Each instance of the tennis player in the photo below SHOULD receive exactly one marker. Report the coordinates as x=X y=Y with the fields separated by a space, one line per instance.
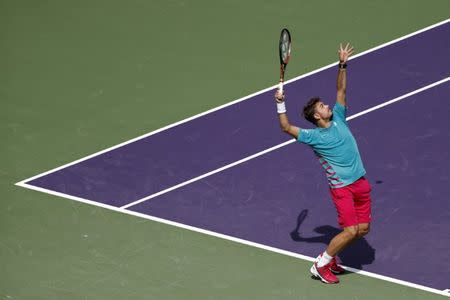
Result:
x=338 y=154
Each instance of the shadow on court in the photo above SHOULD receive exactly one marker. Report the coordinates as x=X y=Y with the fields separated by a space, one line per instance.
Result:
x=356 y=255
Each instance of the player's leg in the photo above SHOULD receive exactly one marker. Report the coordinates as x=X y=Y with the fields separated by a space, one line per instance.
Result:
x=342 y=240
x=343 y=200
x=326 y=264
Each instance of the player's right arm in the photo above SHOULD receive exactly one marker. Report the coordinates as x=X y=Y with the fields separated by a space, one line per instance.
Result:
x=283 y=118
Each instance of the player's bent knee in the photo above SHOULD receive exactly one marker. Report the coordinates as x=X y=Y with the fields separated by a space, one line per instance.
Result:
x=363 y=229
x=352 y=231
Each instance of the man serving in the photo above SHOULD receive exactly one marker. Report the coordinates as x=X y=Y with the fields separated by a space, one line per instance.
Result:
x=338 y=154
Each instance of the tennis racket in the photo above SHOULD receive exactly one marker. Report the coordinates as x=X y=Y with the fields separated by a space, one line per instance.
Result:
x=285 y=54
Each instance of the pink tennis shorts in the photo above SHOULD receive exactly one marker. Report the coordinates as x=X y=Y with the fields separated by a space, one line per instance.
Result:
x=353 y=203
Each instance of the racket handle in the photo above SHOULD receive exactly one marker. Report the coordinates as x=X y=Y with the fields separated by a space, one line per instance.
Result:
x=280 y=86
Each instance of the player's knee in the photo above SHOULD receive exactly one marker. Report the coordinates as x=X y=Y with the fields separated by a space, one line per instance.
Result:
x=352 y=231
x=363 y=229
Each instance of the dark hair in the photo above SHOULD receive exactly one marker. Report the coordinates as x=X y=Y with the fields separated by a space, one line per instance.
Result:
x=310 y=109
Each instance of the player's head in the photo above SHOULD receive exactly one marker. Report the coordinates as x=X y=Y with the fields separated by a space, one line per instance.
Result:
x=316 y=110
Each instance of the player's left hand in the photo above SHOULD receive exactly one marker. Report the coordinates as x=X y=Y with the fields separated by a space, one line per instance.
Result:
x=344 y=53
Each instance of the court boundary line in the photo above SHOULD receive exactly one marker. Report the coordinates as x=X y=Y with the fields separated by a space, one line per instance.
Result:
x=243 y=160
x=230 y=238
x=333 y=64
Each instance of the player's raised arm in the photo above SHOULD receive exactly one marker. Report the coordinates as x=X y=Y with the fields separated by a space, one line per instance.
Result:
x=344 y=54
x=284 y=122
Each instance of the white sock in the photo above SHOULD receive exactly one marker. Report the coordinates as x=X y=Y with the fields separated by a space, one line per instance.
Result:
x=324 y=259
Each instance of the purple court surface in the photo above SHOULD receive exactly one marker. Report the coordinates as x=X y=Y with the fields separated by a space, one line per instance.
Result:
x=281 y=199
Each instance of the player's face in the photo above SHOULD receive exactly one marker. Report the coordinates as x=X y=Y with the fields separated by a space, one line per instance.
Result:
x=323 y=110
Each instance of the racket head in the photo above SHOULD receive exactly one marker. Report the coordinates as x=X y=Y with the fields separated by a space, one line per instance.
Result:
x=284 y=47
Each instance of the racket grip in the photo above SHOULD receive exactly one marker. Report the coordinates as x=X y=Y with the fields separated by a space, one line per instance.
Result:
x=280 y=86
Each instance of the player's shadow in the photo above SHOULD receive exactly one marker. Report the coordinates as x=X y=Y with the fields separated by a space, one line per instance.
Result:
x=356 y=255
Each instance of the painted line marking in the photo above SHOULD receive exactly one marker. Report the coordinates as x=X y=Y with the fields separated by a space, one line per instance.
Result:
x=279 y=145
x=231 y=238
x=333 y=64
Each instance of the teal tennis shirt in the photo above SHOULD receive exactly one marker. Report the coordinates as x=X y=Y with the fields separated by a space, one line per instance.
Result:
x=336 y=149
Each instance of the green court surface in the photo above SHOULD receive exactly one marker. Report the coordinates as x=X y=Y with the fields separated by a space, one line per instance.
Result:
x=77 y=77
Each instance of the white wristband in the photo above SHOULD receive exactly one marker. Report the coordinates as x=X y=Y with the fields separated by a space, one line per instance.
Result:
x=281 y=107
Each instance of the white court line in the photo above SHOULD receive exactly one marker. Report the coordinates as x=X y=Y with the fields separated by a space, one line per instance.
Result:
x=233 y=102
x=231 y=238
x=279 y=146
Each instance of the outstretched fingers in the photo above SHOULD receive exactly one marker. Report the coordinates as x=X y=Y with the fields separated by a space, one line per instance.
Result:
x=345 y=52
